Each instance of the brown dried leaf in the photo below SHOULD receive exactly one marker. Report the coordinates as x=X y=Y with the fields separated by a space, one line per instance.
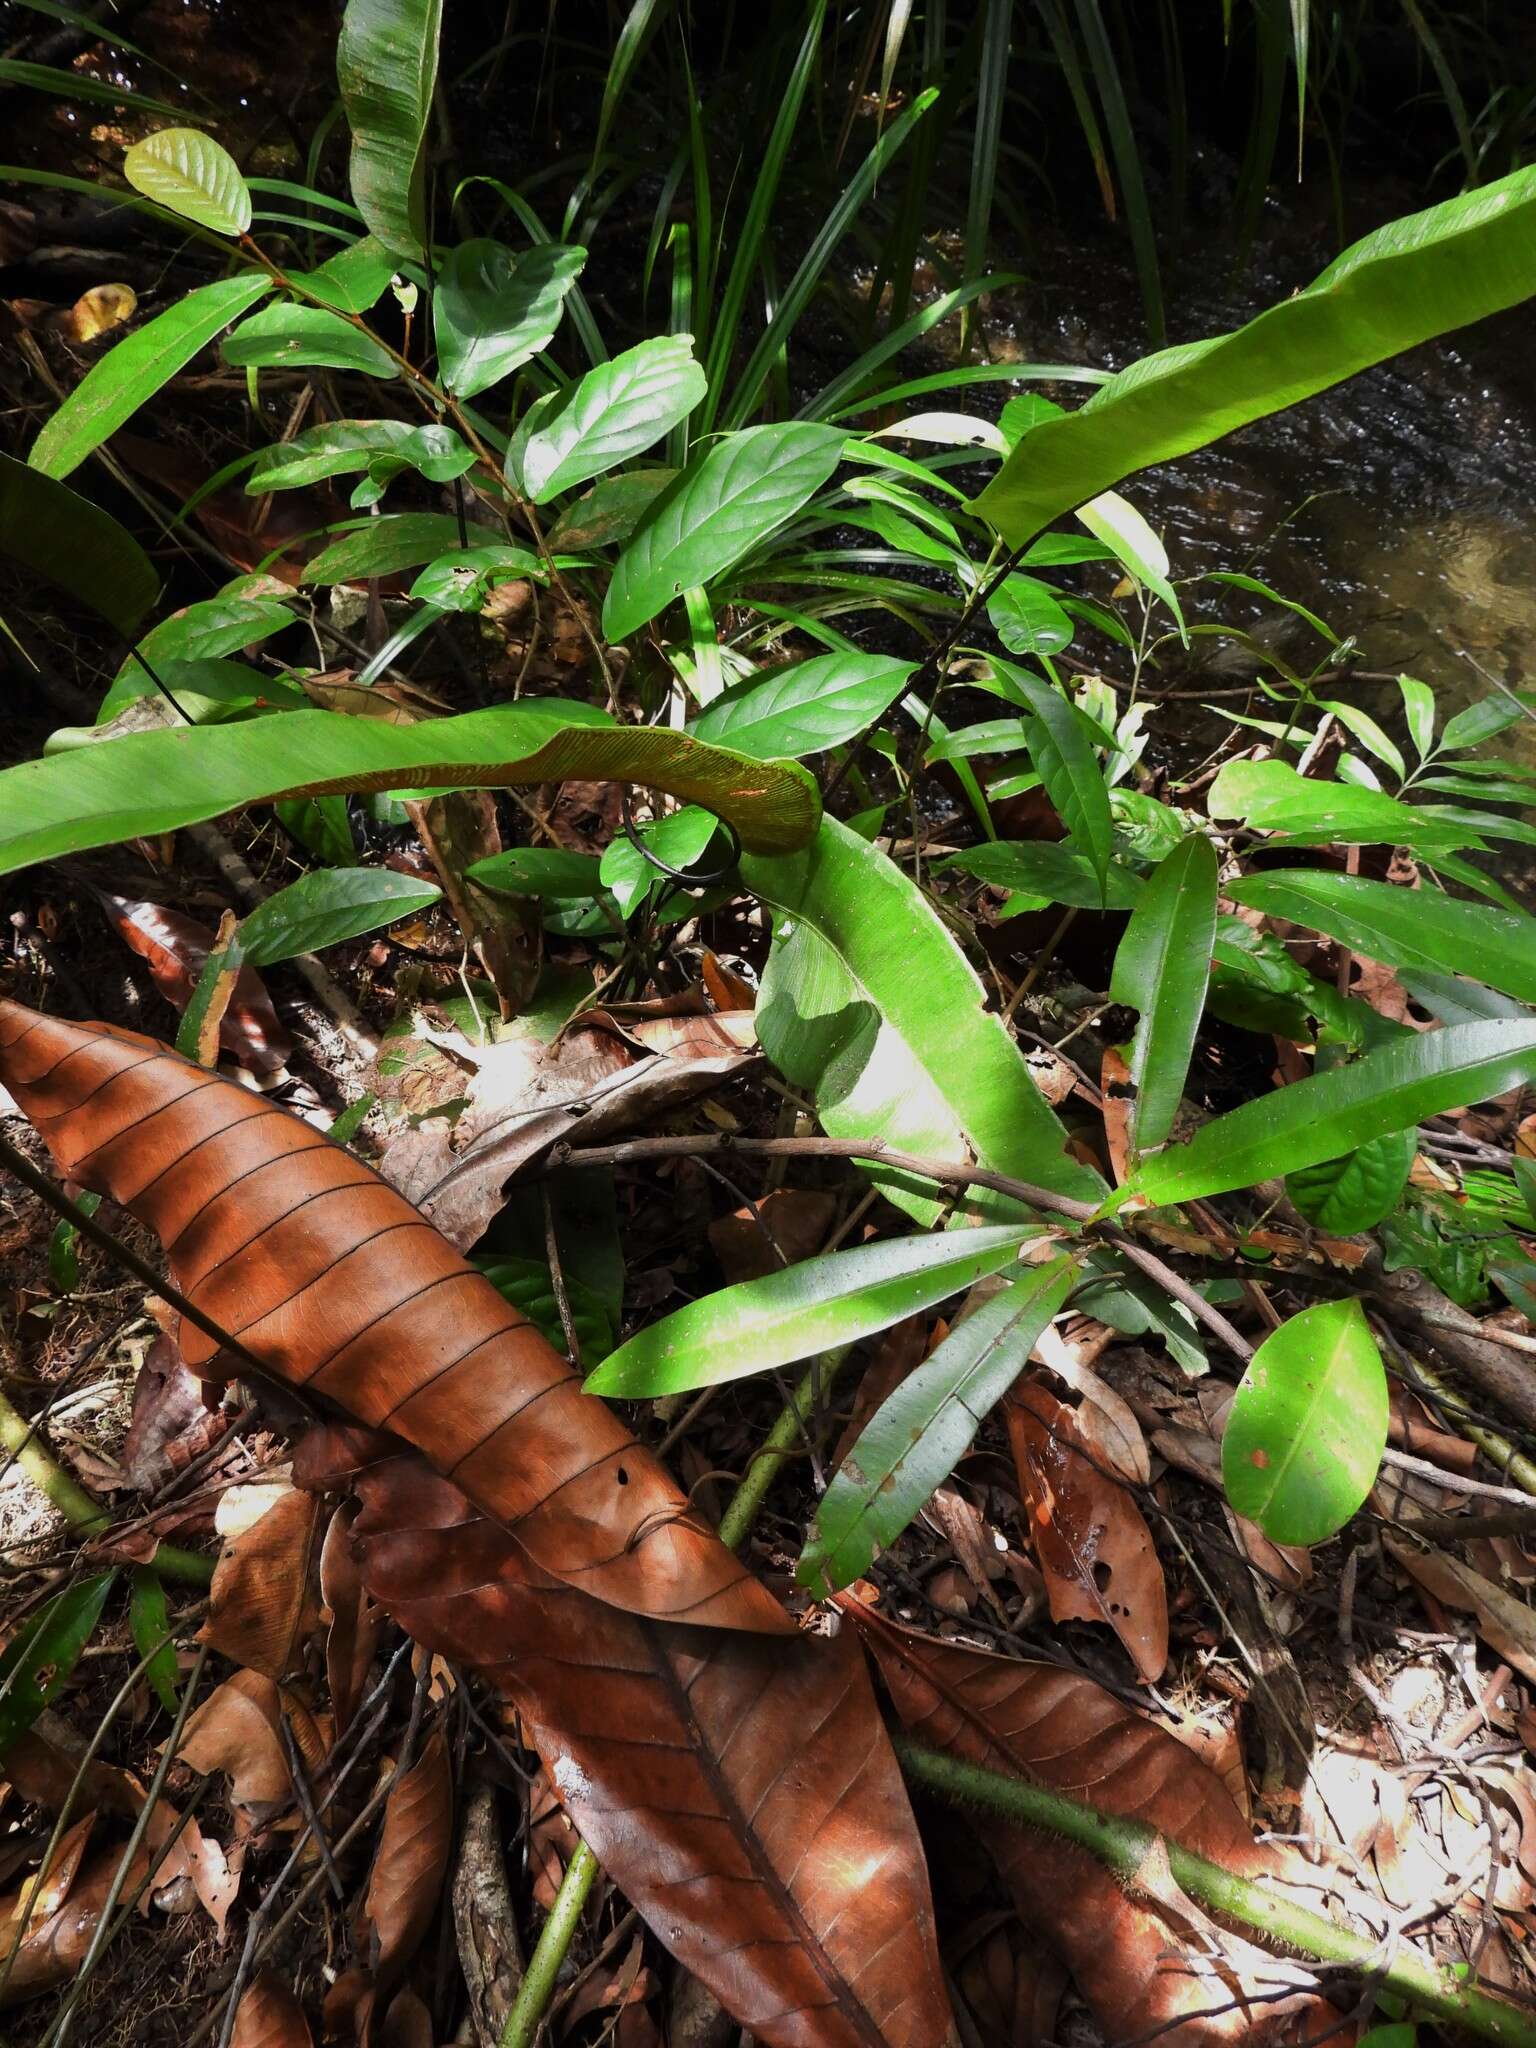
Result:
x=790 y=1224
x=412 y=1858
x=1094 y=1547
x=352 y=1620
x=270 y=2017
x=176 y=949
x=338 y=1286
x=171 y=1423
x=46 y=1890
x=237 y=1730
x=740 y=1790
x=262 y=1607
x=1058 y=1729
x=1504 y=1620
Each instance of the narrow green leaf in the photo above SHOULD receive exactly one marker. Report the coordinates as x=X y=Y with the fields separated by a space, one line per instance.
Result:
x=156 y=781
x=1343 y=1196
x=51 y=531
x=1392 y=1088
x=128 y=375
x=1411 y=928
x=1056 y=874
x=149 y=1619
x=494 y=310
x=19 y=75
x=920 y=1433
x=619 y=409
x=328 y=906
x=807 y=707
x=1272 y=797
x=386 y=66
x=813 y=1306
x=868 y=1002
x=194 y=176
x=1162 y=969
x=285 y=336
x=397 y=540
x=343 y=447
x=38 y=1660
x=728 y=498
x=1063 y=745
x=1404 y=284
x=1307 y=1425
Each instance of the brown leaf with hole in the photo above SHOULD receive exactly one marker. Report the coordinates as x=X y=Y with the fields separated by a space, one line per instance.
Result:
x=343 y=1290
x=176 y=948
x=412 y=1859
x=1058 y=1729
x=270 y=2017
x=1094 y=1547
x=262 y=1606
x=740 y=1790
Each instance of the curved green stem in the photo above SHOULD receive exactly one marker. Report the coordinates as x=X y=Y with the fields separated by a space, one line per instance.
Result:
x=538 y=1985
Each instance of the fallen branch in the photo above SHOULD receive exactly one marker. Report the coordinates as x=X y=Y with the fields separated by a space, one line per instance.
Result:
x=1124 y=1847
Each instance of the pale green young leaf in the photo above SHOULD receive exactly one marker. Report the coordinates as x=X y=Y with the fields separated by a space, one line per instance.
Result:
x=192 y=175
x=1162 y=968
x=619 y=409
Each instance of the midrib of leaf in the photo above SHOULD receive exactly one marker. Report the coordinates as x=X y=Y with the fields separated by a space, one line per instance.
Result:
x=1302 y=1434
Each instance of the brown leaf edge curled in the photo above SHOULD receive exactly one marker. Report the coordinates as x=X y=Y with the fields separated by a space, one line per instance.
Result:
x=344 y=1291
x=740 y=1791
x=1056 y=1728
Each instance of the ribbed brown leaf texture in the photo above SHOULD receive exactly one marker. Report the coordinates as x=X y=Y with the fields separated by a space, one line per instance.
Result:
x=342 y=1289
x=1134 y=1966
x=270 y=2017
x=741 y=1792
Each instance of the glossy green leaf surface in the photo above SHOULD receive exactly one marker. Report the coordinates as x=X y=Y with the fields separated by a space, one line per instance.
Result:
x=1063 y=744
x=1391 y=1089
x=397 y=540
x=386 y=65
x=1272 y=797
x=805 y=1308
x=1409 y=281
x=868 y=1002
x=461 y=581
x=1027 y=618
x=494 y=309
x=609 y=513
x=1411 y=928
x=806 y=707
x=344 y=447
x=303 y=337
x=113 y=389
x=1307 y=1425
x=156 y=781
x=149 y=1622
x=332 y=904
x=201 y=632
x=354 y=279
x=619 y=409
x=719 y=507
x=52 y=532
x=40 y=1657
x=539 y=871
x=1054 y=873
x=1162 y=968
x=193 y=175
x=1342 y=1196
x=920 y=1433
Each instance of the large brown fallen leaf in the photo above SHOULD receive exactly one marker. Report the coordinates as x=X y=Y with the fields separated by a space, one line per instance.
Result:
x=238 y=1730
x=741 y=1791
x=261 y=1605
x=270 y=2017
x=175 y=948
x=341 y=1289
x=1094 y=1547
x=1058 y=1729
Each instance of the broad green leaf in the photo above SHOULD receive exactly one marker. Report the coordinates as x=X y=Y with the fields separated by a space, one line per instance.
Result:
x=461 y=581
x=1063 y=745
x=1412 y=928
x=328 y=906
x=1027 y=618
x=1122 y=529
x=728 y=498
x=201 y=632
x=156 y=781
x=1402 y=285
x=920 y=1433
x=1481 y=721
x=813 y=1306
x=193 y=175
x=51 y=531
x=1394 y=1087
x=1056 y=874
x=1343 y=1196
x=149 y=1620
x=538 y=871
x=807 y=707
x=494 y=310
x=609 y=513
x=1307 y=1425
x=1419 y=711
x=128 y=375
x=1161 y=969
x=341 y=447
x=619 y=409
x=304 y=337
x=40 y=1657
x=386 y=65
x=398 y=540
x=680 y=840
x=354 y=279
x=868 y=1002
x=1272 y=797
